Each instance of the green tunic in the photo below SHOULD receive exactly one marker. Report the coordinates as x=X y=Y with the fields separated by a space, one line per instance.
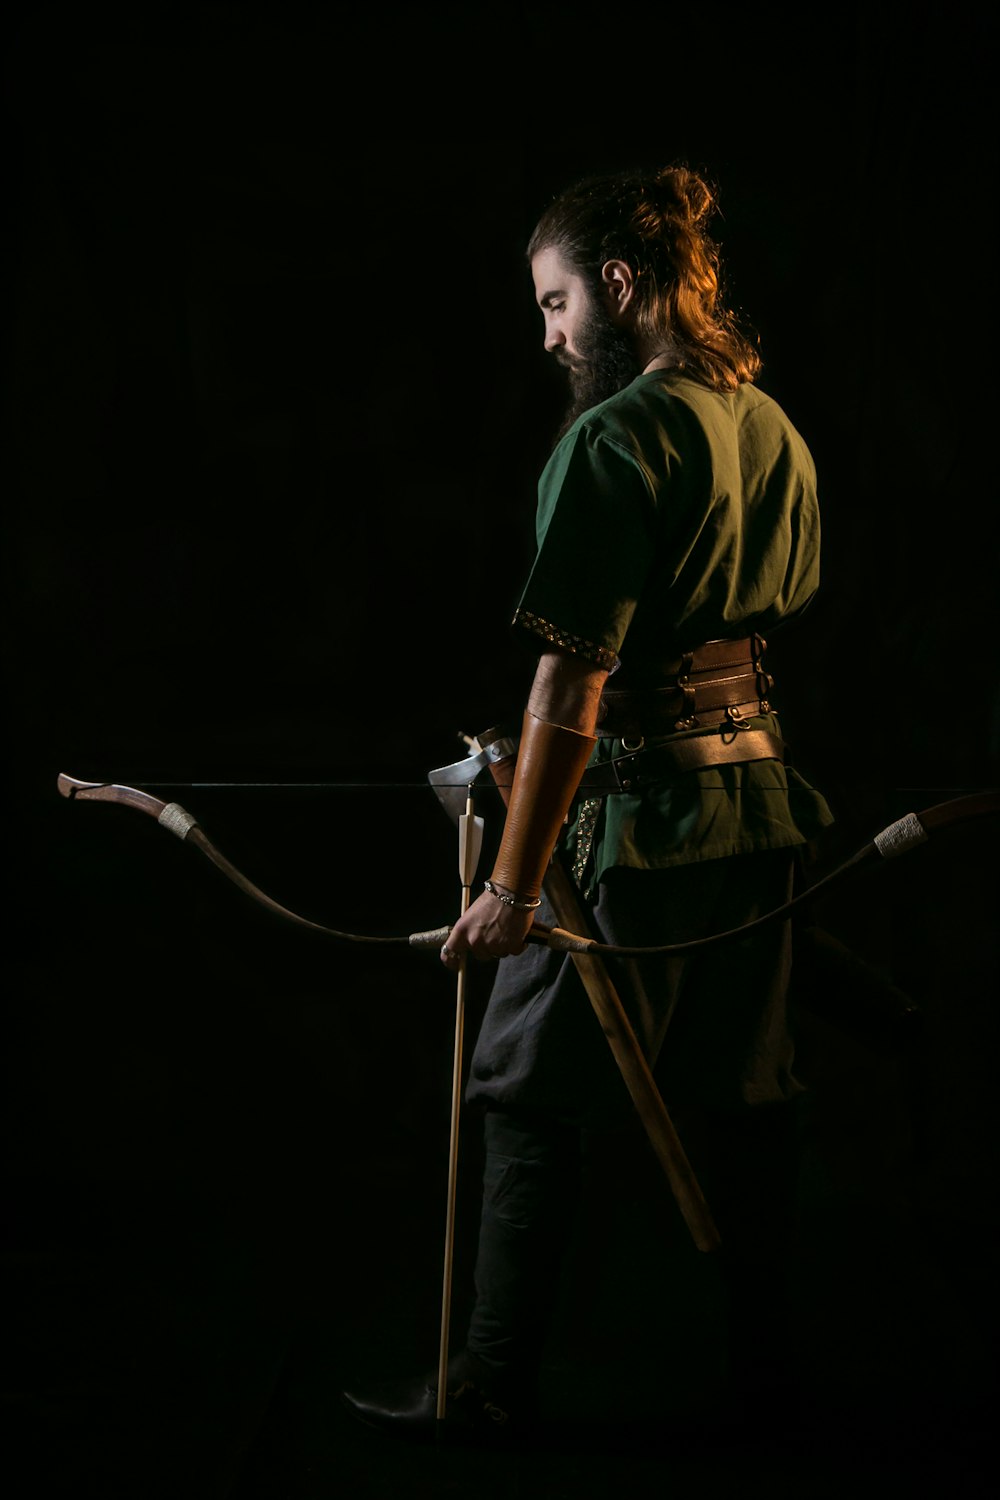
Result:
x=671 y=515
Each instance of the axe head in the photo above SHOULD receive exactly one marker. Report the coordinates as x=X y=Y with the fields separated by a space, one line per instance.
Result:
x=451 y=783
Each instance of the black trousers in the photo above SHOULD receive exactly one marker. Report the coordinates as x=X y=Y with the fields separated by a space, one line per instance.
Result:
x=714 y=1026
x=712 y=1021
x=747 y=1165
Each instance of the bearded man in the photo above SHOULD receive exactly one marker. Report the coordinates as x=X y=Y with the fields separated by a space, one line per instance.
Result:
x=677 y=527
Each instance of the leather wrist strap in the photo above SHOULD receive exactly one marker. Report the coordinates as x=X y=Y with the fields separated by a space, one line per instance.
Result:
x=550 y=762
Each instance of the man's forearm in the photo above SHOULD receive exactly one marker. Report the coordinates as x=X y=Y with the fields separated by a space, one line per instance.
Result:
x=556 y=742
x=566 y=690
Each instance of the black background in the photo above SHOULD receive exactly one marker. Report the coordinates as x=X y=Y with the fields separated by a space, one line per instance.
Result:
x=275 y=405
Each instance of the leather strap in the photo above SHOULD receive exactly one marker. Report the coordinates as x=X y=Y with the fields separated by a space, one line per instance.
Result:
x=707 y=685
x=664 y=711
x=645 y=767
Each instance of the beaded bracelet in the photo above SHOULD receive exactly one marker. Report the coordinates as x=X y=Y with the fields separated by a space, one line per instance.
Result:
x=512 y=900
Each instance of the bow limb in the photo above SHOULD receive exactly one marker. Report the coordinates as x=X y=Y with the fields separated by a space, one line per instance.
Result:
x=185 y=826
x=906 y=833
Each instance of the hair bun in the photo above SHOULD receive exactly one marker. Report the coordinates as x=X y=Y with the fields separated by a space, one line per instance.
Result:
x=682 y=194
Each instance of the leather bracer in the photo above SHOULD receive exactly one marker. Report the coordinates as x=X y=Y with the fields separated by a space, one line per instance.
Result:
x=550 y=763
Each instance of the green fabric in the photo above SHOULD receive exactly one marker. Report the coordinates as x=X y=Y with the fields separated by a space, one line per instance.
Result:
x=729 y=809
x=667 y=516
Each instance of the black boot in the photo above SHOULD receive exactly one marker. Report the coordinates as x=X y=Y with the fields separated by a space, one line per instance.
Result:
x=474 y=1413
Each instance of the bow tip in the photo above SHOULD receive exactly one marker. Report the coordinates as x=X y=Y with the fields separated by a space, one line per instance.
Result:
x=68 y=786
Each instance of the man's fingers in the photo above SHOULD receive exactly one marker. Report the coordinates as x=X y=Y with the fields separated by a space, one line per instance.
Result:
x=452 y=957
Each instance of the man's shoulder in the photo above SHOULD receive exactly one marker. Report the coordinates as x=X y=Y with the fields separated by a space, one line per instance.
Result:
x=654 y=406
x=681 y=406
x=667 y=421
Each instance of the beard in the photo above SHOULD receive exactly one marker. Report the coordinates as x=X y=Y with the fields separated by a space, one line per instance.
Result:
x=605 y=364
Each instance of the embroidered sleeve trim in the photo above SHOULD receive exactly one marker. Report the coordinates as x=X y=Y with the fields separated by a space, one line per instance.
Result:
x=601 y=656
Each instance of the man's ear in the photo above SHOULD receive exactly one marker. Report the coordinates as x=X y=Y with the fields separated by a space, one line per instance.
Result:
x=618 y=287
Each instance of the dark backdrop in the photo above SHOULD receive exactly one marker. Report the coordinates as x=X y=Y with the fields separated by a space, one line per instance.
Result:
x=275 y=406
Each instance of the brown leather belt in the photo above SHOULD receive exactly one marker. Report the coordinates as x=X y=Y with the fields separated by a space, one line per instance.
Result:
x=653 y=763
x=711 y=684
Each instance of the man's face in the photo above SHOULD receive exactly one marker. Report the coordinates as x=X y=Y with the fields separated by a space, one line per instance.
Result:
x=598 y=353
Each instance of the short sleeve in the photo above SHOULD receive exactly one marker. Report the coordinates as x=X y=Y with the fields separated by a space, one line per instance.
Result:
x=595 y=536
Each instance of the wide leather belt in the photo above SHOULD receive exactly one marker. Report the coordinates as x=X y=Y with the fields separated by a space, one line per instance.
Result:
x=711 y=684
x=653 y=763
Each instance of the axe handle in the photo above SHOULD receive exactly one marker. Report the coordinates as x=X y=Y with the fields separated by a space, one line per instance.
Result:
x=625 y=1047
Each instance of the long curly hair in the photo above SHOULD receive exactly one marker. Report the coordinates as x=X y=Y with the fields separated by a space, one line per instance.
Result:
x=657 y=222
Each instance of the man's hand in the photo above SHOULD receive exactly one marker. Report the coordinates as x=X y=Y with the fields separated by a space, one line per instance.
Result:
x=489 y=930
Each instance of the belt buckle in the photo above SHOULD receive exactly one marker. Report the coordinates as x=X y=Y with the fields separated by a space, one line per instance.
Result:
x=625 y=763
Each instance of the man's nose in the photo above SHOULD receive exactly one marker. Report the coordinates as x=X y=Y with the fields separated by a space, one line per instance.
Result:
x=554 y=339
